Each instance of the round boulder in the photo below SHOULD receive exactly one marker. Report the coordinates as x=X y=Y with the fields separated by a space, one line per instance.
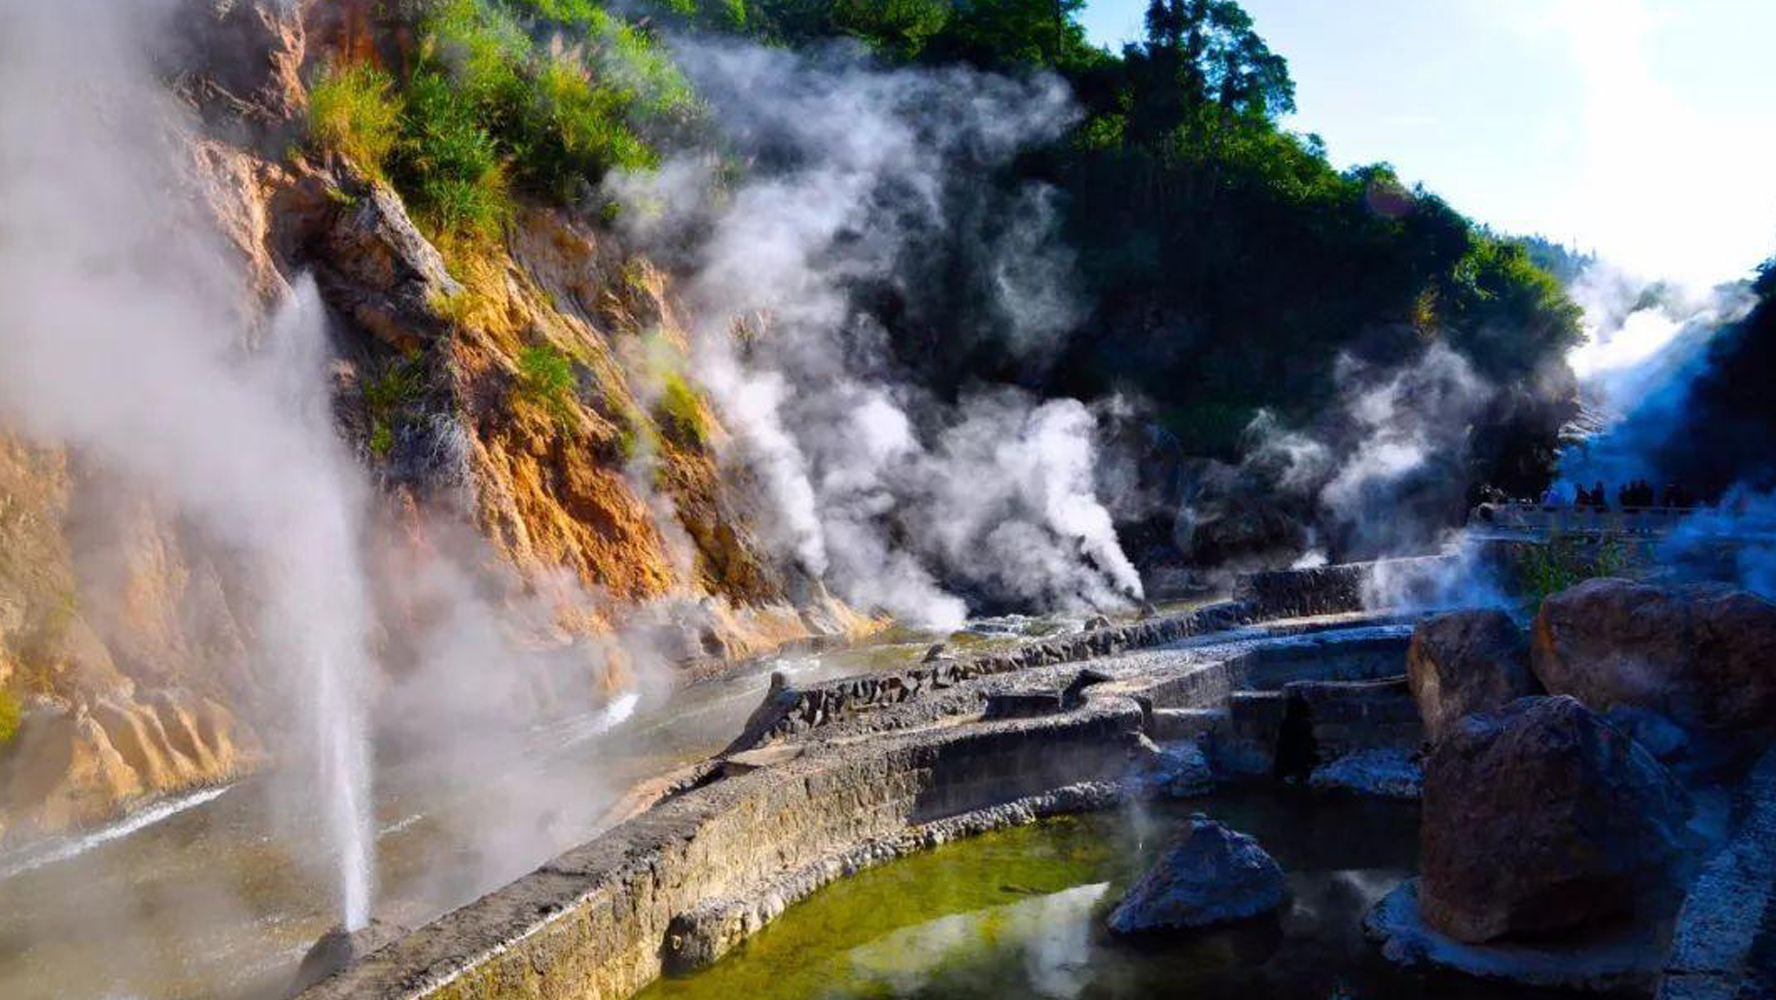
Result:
x=1212 y=875
x=1467 y=662
x=1702 y=655
x=1540 y=818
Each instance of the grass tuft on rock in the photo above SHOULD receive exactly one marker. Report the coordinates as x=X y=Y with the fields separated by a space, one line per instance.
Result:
x=386 y=395
x=546 y=381
x=355 y=112
x=11 y=714
x=682 y=414
x=1563 y=563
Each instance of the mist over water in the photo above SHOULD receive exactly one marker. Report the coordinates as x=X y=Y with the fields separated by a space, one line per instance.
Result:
x=124 y=336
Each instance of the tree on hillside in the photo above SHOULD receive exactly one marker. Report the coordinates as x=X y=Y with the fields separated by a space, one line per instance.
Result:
x=1207 y=51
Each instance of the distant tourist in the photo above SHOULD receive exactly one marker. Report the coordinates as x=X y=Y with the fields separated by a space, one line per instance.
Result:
x=1599 y=496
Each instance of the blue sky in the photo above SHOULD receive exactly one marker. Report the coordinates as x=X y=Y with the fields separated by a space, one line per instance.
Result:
x=1644 y=129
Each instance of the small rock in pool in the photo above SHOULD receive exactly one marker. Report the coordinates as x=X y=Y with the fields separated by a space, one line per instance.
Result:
x=1384 y=773
x=1212 y=875
x=1177 y=771
x=339 y=948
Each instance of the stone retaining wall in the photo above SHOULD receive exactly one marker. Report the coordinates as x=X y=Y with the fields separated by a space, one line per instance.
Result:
x=1293 y=593
x=789 y=712
x=601 y=920
x=1345 y=588
x=1299 y=593
x=1343 y=717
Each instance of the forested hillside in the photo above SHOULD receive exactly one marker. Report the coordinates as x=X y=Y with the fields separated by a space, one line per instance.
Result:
x=1280 y=348
x=1226 y=262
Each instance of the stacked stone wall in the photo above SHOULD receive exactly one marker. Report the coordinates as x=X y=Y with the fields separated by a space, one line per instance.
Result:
x=683 y=878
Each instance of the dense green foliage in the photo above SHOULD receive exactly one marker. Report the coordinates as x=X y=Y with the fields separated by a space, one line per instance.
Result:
x=1228 y=255
x=542 y=95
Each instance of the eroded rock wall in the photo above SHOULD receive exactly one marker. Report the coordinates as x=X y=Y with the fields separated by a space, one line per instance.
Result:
x=120 y=648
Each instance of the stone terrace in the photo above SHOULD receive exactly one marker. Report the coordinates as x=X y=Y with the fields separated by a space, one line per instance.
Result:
x=874 y=770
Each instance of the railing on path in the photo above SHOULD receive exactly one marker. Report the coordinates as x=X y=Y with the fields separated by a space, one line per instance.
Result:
x=1549 y=520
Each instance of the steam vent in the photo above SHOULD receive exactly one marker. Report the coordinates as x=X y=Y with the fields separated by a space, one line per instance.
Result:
x=819 y=500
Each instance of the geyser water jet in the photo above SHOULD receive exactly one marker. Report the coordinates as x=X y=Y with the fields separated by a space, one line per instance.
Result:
x=319 y=601
x=345 y=769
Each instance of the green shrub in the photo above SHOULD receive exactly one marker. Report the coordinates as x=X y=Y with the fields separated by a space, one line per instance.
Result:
x=680 y=413
x=382 y=438
x=11 y=712
x=386 y=395
x=546 y=380
x=355 y=112
x=447 y=163
x=1560 y=563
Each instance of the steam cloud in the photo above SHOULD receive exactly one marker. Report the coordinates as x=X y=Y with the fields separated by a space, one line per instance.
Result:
x=129 y=338
x=1645 y=343
x=123 y=339
x=898 y=498
x=1377 y=468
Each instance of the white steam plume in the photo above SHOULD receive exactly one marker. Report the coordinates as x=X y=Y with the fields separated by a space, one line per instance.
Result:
x=1645 y=341
x=1379 y=467
x=897 y=498
x=122 y=338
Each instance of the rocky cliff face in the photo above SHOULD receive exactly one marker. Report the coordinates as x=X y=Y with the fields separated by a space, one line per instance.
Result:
x=522 y=405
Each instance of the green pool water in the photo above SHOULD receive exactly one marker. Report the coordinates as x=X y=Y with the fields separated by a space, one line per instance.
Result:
x=1019 y=914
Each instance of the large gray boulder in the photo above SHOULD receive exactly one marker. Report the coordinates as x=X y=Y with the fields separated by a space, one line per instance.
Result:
x=1212 y=875
x=1540 y=818
x=1466 y=662
x=1702 y=655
